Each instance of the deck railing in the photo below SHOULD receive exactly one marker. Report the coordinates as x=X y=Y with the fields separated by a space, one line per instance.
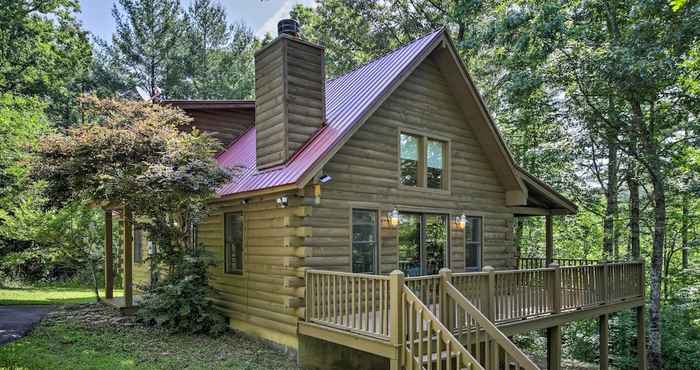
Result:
x=355 y=302
x=526 y=263
x=423 y=313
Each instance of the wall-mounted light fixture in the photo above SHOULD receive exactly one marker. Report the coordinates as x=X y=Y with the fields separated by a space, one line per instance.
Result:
x=461 y=221
x=282 y=201
x=325 y=179
x=393 y=217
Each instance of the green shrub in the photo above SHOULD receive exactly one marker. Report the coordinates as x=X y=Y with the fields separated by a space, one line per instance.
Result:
x=180 y=304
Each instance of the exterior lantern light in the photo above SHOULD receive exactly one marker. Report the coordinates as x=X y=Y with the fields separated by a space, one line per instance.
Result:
x=393 y=217
x=461 y=221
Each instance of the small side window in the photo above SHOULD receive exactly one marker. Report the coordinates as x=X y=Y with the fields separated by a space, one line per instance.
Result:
x=233 y=243
x=364 y=241
x=472 y=244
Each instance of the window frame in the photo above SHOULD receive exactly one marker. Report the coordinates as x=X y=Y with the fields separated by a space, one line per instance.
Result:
x=422 y=170
x=378 y=228
x=479 y=249
x=227 y=252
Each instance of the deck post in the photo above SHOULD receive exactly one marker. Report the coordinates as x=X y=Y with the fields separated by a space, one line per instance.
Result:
x=603 y=331
x=549 y=239
x=109 y=256
x=396 y=284
x=128 y=257
x=554 y=333
x=641 y=339
x=554 y=348
x=604 y=286
x=445 y=277
x=489 y=294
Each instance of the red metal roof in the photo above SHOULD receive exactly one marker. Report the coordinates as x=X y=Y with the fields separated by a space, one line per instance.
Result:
x=348 y=98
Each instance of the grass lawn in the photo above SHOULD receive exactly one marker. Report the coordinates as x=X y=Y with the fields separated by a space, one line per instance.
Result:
x=79 y=340
x=49 y=295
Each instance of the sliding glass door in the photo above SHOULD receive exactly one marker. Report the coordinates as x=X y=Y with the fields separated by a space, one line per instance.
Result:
x=423 y=246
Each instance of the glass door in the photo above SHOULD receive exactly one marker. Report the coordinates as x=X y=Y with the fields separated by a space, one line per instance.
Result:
x=410 y=243
x=423 y=243
x=435 y=242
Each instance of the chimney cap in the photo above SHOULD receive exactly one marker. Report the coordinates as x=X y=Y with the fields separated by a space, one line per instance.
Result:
x=288 y=27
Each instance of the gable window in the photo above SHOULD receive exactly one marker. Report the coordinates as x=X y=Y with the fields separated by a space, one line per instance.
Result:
x=364 y=241
x=410 y=148
x=472 y=244
x=423 y=161
x=138 y=245
x=233 y=243
x=436 y=164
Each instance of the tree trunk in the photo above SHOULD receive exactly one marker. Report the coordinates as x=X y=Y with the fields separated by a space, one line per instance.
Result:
x=633 y=185
x=609 y=245
x=657 y=262
x=684 y=231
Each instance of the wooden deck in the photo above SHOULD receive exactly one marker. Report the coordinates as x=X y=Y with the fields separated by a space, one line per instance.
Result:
x=356 y=310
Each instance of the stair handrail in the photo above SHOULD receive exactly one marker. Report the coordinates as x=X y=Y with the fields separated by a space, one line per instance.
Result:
x=496 y=335
x=446 y=334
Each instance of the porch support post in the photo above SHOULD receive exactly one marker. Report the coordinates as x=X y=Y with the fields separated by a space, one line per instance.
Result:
x=128 y=257
x=396 y=284
x=604 y=340
x=554 y=333
x=109 y=256
x=554 y=348
x=641 y=339
x=549 y=239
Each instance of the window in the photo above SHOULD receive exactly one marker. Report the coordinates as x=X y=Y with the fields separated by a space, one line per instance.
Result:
x=233 y=243
x=138 y=245
x=409 y=159
x=364 y=241
x=423 y=243
x=472 y=243
x=423 y=161
x=436 y=164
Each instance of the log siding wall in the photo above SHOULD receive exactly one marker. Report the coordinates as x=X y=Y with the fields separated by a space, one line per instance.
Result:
x=365 y=174
x=266 y=300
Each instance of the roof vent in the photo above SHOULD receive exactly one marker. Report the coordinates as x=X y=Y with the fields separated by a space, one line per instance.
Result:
x=288 y=27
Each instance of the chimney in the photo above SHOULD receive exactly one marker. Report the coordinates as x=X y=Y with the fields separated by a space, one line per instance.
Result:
x=290 y=95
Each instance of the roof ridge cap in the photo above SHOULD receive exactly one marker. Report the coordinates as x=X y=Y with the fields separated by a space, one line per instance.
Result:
x=386 y=53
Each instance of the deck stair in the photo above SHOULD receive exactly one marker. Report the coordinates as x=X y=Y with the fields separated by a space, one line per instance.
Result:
x=464 y=339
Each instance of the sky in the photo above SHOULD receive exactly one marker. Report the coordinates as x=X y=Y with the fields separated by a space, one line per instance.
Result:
x=260 y=15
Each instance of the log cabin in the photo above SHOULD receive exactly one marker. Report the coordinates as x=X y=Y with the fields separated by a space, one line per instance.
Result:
x=371 y=225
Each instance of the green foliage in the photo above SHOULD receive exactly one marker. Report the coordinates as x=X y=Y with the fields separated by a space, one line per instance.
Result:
x=180 y=302
x=146 y=39
x=134 y=154
x=191 y=53
x=44 y=53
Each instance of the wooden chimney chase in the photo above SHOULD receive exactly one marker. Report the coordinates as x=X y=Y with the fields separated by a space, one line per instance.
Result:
x=290 y=98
